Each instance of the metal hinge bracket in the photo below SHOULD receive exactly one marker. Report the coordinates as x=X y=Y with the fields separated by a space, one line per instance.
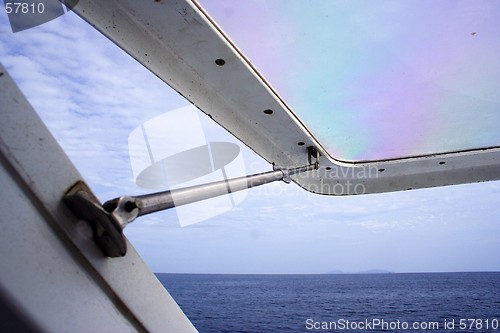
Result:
x=107 y=222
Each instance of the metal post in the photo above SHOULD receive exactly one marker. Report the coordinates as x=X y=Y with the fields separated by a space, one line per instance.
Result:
x=109 y=220
x=154 y=202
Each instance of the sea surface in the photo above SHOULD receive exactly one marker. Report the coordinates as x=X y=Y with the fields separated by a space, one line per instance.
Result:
x=420 y=302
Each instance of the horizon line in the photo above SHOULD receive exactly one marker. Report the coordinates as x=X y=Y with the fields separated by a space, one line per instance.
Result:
x=338 y=273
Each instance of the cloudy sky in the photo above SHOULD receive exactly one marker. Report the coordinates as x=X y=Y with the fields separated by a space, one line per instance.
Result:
x=92 y=96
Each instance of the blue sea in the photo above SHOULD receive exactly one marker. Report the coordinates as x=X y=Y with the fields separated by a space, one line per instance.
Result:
x=424 y=302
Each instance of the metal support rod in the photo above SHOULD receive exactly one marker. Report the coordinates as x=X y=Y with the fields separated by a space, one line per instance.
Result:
x=154 y=202
x=108 y=220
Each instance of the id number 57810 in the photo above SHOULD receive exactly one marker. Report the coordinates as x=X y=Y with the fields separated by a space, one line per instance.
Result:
x=24 y=8
x=479 y=324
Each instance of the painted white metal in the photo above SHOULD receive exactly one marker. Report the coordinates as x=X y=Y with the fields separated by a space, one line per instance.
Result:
x=51 y=270
x=179 y=42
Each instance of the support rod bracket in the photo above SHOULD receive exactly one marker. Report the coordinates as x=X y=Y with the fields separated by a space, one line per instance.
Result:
x=109 y=219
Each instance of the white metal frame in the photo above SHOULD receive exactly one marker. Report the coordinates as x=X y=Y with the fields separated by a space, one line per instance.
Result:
x=52 y=272
x=180 y=43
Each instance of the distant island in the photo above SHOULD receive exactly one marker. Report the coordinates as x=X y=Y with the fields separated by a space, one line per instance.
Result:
x=370 y=271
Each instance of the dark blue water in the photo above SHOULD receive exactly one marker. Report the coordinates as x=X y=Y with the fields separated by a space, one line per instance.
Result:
x=438 y=302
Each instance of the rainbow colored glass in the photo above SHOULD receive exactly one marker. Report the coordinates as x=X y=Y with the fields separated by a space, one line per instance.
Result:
x=378 y=80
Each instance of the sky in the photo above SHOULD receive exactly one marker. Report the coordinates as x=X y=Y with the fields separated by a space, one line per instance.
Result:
x=92 y=96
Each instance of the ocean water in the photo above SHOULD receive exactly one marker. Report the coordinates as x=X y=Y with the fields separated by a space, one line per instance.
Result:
x=423 y=302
